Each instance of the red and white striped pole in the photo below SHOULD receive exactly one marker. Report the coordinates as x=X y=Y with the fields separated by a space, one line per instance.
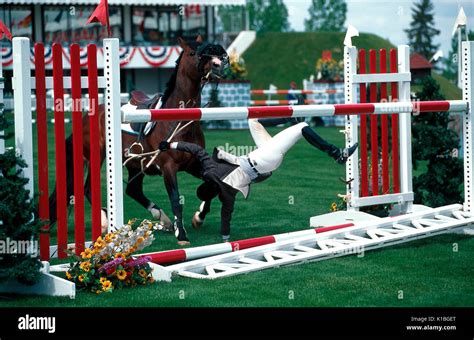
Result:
x=180 y=255
x=132 y=115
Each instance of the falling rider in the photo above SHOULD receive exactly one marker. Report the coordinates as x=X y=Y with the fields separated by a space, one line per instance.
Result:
x=225 y=174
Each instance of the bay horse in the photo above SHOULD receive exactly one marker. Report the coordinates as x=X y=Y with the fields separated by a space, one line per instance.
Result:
x=197 y=64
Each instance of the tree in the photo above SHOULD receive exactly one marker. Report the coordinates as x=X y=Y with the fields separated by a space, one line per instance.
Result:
x=451 y=62
x=422 y=29
x=17 y=227
x=231 y=18
x=268 y=16
x=433 y=142
x=17 y=221
x=326 y=15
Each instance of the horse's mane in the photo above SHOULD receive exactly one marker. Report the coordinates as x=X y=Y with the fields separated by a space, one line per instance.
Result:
x=171 y=84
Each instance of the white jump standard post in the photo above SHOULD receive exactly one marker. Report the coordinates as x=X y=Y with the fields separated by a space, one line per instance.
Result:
x=22 y=104
x=113 y=134
x=404 y=121
x=468 y=123
x=351 y=126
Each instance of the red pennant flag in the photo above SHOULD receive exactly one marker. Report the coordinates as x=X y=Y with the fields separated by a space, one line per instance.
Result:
x=4 y=30
x=101 y=14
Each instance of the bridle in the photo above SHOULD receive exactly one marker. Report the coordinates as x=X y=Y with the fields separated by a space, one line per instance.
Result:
x=207 y=51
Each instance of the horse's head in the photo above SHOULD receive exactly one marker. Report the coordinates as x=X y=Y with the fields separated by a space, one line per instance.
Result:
x=201 y=60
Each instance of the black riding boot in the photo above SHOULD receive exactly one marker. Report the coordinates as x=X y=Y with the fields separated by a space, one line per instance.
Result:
x=340 y=155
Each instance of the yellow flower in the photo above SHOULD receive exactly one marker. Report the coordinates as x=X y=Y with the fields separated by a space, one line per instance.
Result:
x=85 y=266
x=121 y=274
x=334 y=206
x=103 y=279
x=120 y=255
x=80 y=278
x=98 y=292
x=142 y=273
x=106 y=285
x=68 y=275
x=99 y=244
x=87 y=253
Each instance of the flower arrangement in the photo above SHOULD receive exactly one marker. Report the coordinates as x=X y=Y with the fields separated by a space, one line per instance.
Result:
x=329 y=69
x=237 y=69
x=108 y=263
x=340 y=204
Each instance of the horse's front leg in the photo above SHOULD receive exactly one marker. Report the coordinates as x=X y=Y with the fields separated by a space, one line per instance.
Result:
x=171 y=184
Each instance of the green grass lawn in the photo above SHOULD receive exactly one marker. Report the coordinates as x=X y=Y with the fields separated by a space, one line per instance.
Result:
x=421 y=273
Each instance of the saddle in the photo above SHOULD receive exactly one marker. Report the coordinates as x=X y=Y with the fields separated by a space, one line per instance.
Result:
x=142 y=101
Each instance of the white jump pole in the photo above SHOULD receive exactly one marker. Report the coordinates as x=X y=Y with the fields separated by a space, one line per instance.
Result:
x=113 y=134
x=468 y=123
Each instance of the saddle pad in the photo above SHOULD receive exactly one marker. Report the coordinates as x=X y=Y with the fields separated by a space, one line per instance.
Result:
x=148 y=127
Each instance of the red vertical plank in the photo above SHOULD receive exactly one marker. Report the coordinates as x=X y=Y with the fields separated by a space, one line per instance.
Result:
x=94 y=140
x=364 y=179
x=42 y=128
x=374 y=140
x=79 y=229
x=60 y=142
x=384 y=118
x=395 y=154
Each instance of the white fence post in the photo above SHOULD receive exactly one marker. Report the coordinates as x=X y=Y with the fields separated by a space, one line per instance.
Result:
x=22 y=106
x=468 y=123
x=113 y=135
x=351 y=132
x=404 y=92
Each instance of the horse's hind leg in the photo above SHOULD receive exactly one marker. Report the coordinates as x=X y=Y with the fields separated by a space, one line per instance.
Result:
x=171 y=183
x=135 y=190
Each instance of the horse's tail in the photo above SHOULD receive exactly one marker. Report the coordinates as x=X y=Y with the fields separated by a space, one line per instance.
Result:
x=69 y=182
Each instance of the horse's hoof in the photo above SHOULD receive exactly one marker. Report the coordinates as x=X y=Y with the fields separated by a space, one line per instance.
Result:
x=197 y=222
x=164 y=220
x=180 y=235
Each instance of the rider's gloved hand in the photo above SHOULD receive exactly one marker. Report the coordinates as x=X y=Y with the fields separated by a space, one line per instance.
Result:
x=164 y=145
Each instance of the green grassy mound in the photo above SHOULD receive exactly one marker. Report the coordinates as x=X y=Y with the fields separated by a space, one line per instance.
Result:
x=279 y=58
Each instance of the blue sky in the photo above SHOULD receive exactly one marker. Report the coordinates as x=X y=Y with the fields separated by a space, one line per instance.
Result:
x=388 y=19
